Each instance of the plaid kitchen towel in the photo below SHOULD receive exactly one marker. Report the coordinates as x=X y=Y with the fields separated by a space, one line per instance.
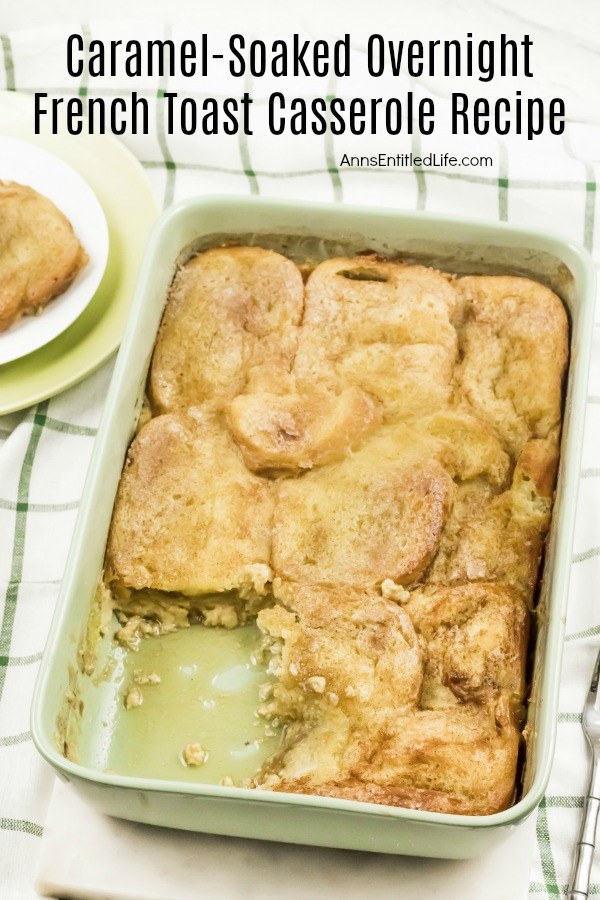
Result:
x=44 y=451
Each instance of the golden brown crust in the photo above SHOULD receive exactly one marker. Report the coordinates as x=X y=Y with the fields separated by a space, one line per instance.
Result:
x=468 y=448
x=189 y=517
x=462 y=751
x=476 y=638
x=538 y=462
x=230 y=310
x=281 y=433
x=514 y=349
x=407 y=797
x=364 y=646
x=494 y=536
x=383 y=326
x=40 y=254
x=352 y=524
x=356 y=681
x=449 y=760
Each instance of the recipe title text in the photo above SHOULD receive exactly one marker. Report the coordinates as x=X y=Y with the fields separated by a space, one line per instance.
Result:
x=182 y=68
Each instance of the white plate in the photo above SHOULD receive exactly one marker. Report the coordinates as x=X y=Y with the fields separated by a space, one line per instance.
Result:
x=28 y=164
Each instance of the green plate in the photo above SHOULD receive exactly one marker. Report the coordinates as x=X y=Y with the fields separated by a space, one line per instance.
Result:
x=124 y=192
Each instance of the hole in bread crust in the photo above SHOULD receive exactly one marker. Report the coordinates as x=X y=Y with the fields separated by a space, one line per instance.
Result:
x=363 y=275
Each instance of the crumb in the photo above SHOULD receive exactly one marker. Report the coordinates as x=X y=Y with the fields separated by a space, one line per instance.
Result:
x=223 y=614
x=133 y=698
x=392 y=591
x=129 y=636
x=134 y=629
x=194 y=755
x=265 y=691
x=316 y=683
x=140 y=678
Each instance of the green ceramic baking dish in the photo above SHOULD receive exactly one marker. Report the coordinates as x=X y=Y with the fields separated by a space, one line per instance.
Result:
x=453 y=244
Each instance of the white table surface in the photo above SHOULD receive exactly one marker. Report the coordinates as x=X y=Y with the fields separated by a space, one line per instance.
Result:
x=88 y=856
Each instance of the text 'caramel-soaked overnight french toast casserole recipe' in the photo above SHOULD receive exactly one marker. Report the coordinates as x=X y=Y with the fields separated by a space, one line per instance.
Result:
x=359 y=457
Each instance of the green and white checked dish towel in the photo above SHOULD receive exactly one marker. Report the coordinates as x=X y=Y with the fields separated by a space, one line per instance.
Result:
x=44 y=451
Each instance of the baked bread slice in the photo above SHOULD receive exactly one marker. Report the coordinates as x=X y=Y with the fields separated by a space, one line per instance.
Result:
x=465 y=446
x=475 y=636
x=458 y=760
x=361 y=521
x=344 y=659
x=514 y=347
x=383 y=326
x=288 y=433
x=230 y=310
x=351 y=648
x=189 y=517
x=40 y=254
x=499 y=536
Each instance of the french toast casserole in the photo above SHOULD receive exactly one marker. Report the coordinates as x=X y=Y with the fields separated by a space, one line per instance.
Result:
x=360 y=456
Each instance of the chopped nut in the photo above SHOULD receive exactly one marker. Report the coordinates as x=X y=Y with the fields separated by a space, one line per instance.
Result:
x=194 y=755
x=226 y=781
x=134 y=697
x=316 y=683
x=141 y=678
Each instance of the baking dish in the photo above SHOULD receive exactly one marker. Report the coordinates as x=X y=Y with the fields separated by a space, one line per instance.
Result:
x=452 y=244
